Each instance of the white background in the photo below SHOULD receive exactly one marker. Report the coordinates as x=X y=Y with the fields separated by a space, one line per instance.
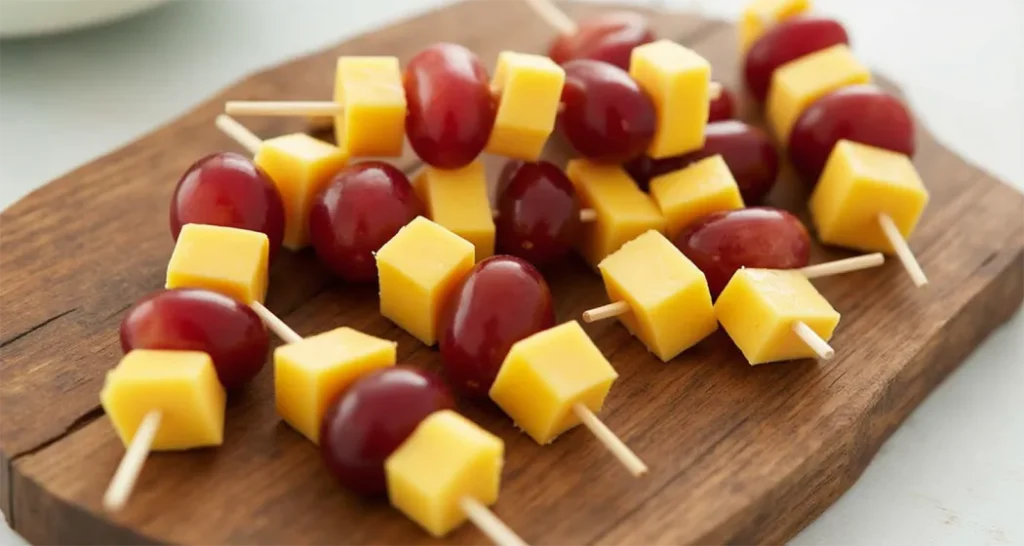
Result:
x=952 y=474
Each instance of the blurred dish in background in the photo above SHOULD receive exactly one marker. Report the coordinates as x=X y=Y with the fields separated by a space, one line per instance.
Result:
x=25 y=18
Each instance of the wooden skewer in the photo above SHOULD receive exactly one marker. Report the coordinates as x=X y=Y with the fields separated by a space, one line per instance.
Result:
x=283 y=108
x=845 y=265
x=128 y=470
x=239 y=133
x=554 y=17
x=813 y=340
x=606 y=311
x=633 y=464
x=489 y=524
x=586 y=215
x=275 y=324
x=903 y=252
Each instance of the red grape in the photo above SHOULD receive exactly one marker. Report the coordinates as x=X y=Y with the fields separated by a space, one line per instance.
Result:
x=606 y=117
x=861 y=113
x=451 y=110
x=508 y=170
x=503 y=300
x=360 y=210
x=371 y=418
x=538 y=214
x=722 y=242
x=189 y=319
x=227 y=189
x=610 y=37
x=723 y=107
x=787 y=41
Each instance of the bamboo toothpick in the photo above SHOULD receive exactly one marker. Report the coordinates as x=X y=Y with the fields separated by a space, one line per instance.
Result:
x=128 y=470
x=239 y=133
x=845 y=265
x=275 y=324
x=283 y=108
x=586 y=215
x=489 y=524
x=554 y=17
x=813 y=340
x=606 y=311
x=633 y=464
x=903 y=252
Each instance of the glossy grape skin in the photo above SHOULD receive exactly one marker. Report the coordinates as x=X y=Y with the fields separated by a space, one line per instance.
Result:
x=861 y=113
x=503 y=300
x=538 y=214
x=227 y=189
x=605 y=115
x=609 y=37
x=787 y=41
x=508 y=170
x=722 y=107
x=763 y=237
x=370 y=419
x=190 y=319
x=747 y=150
x=450 y=107
x=362 y=208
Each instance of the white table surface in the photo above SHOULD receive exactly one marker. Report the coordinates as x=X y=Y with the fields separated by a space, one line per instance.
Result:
x=952 y=474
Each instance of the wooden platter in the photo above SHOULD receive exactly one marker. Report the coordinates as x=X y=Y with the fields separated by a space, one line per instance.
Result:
x=737 y=454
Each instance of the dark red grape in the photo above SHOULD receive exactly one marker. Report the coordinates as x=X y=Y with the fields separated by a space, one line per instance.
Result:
x=538 y=214
x=722 y=107
x=505 y=176
x=609 y=37
x=787 y=41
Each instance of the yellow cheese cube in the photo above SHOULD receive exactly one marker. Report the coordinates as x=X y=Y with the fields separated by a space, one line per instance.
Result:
x=858 y=184
x=310 y=374
x=693 y=192
x=228 y=260
x=301 y=167
x=531 y=91
x=668 y=296
x=372 y=123
x=181 y=385
x=678 y=81
x=545 y=375
x=446 y=459
x=457 y=199
x=760 y=14
x=795 y=85
x=418 y=269
x=623 y=211
x=759 y=307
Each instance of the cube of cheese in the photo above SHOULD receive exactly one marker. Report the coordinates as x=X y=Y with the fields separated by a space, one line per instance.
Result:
x=668 y=296
x=796 y=84
x=623 y=210
x=447 y=458
x=457 y=199
x=372 y=123
x=759 y=308
x=545 y=375
x=311 y=373
x=228 y=260
x=859 y=183
x=301 y=167
x=761 y=14
x=418 y=269
x=181 y=385
x=531 y=91
x=695 y=191
x=678 y=81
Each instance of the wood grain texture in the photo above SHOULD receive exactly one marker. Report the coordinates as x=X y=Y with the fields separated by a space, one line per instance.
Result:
x=737 y=454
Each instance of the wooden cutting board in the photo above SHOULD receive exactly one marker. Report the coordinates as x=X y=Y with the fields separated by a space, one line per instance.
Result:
x=737 y=454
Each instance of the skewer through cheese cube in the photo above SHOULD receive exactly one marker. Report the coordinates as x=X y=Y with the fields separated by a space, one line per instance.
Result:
x=531 y=92
x=668 y=296
x=418 y=268
x=228 y=260
x=181 y=385
x=457 y=200
x=759 y=15
x=678 y=81
x=760 y=309
x=309 y=374
x=370 y=92
x=623 y=211
x=447 y=459
x=694 y=192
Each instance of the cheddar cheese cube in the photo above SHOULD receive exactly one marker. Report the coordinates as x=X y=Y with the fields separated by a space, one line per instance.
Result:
x=372 y=123
x=795 y=85
x=545 y=375
x=623 y=210
x=311 y=373
x=228 y=260
x=668 y=296
x=447 y=458
x=531 y=91
x=678 y=80
x=457 y=200
x=695 y=191
x=301 y=167
x=859 y=183
x=760 y=307
x=759 y=15
x=181 y=385
x=418 y=268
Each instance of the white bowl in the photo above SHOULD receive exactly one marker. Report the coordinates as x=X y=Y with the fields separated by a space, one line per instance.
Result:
x=23 y=18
